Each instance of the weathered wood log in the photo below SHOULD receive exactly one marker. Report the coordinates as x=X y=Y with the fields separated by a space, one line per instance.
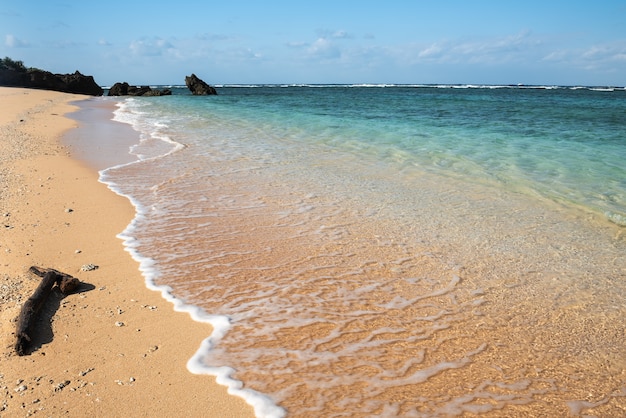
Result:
x=33 y=305
x=30 y=310
x=66 y=283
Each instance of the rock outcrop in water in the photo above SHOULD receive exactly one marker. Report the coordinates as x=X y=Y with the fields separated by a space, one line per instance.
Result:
x=124 y=89
x=15 y=74
x=199 y=87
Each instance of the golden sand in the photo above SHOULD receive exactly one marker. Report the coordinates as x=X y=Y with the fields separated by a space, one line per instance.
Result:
x=114 y=349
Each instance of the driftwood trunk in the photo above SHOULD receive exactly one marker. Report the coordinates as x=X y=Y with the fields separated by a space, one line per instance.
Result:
x=66 y=283
x=33 y=305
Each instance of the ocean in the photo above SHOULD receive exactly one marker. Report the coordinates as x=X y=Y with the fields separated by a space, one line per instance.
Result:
x=390 y=250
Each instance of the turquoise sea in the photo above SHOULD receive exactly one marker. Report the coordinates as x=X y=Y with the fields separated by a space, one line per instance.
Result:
x=390 y=250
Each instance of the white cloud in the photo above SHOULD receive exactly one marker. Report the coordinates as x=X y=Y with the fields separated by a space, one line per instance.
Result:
x=328 y=46
x=323 y=48
x=602 y=58
x=341 y=34
x=557 y=56
x=605 y=53
x=320 y=48
x=605 y=58
x=621 y=56
x=297 y=44
x=13 y=42
x=151 y=47
x=514 y=48
x=334 y=34
x=432 y=52
x=214 y=37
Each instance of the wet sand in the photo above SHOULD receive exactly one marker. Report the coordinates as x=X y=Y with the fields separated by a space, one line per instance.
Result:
x=115 y=348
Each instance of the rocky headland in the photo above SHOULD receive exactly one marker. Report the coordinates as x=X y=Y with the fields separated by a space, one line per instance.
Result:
x=15 y=74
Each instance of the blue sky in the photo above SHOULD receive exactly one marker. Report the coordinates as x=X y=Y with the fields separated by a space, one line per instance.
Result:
x=445 y=41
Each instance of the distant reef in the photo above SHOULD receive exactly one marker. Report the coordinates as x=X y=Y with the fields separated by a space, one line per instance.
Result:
x=197 y=87
x=15 y=74
x=124 y=89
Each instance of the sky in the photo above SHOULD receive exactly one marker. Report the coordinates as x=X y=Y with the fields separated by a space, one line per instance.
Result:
x=547 y=42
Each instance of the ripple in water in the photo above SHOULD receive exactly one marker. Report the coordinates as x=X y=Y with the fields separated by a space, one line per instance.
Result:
x=355 y=292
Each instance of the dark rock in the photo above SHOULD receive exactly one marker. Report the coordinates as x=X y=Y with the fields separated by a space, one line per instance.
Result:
x=79 y=83
x=39 y=79
x=12 y=78
x=155 y=92
x=119 y=89
x=138 y=91
x=44 y=80
x=198 y=87
x=124 y=89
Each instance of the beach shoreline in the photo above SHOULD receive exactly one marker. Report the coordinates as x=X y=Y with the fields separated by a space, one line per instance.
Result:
x=115 y=348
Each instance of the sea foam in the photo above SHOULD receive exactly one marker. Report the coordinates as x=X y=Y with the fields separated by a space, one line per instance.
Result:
x=263 y=405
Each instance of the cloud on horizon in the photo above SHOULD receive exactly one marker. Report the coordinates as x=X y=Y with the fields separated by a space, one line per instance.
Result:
x=603 y=58
x=521 y=54
x=518 y=47
x=12 y=41
x=337 y=55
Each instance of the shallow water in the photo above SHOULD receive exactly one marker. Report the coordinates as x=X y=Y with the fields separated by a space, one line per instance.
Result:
x=392 y=251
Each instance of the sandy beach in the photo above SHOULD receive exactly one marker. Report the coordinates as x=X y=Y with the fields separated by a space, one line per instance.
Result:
x=115 y=348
